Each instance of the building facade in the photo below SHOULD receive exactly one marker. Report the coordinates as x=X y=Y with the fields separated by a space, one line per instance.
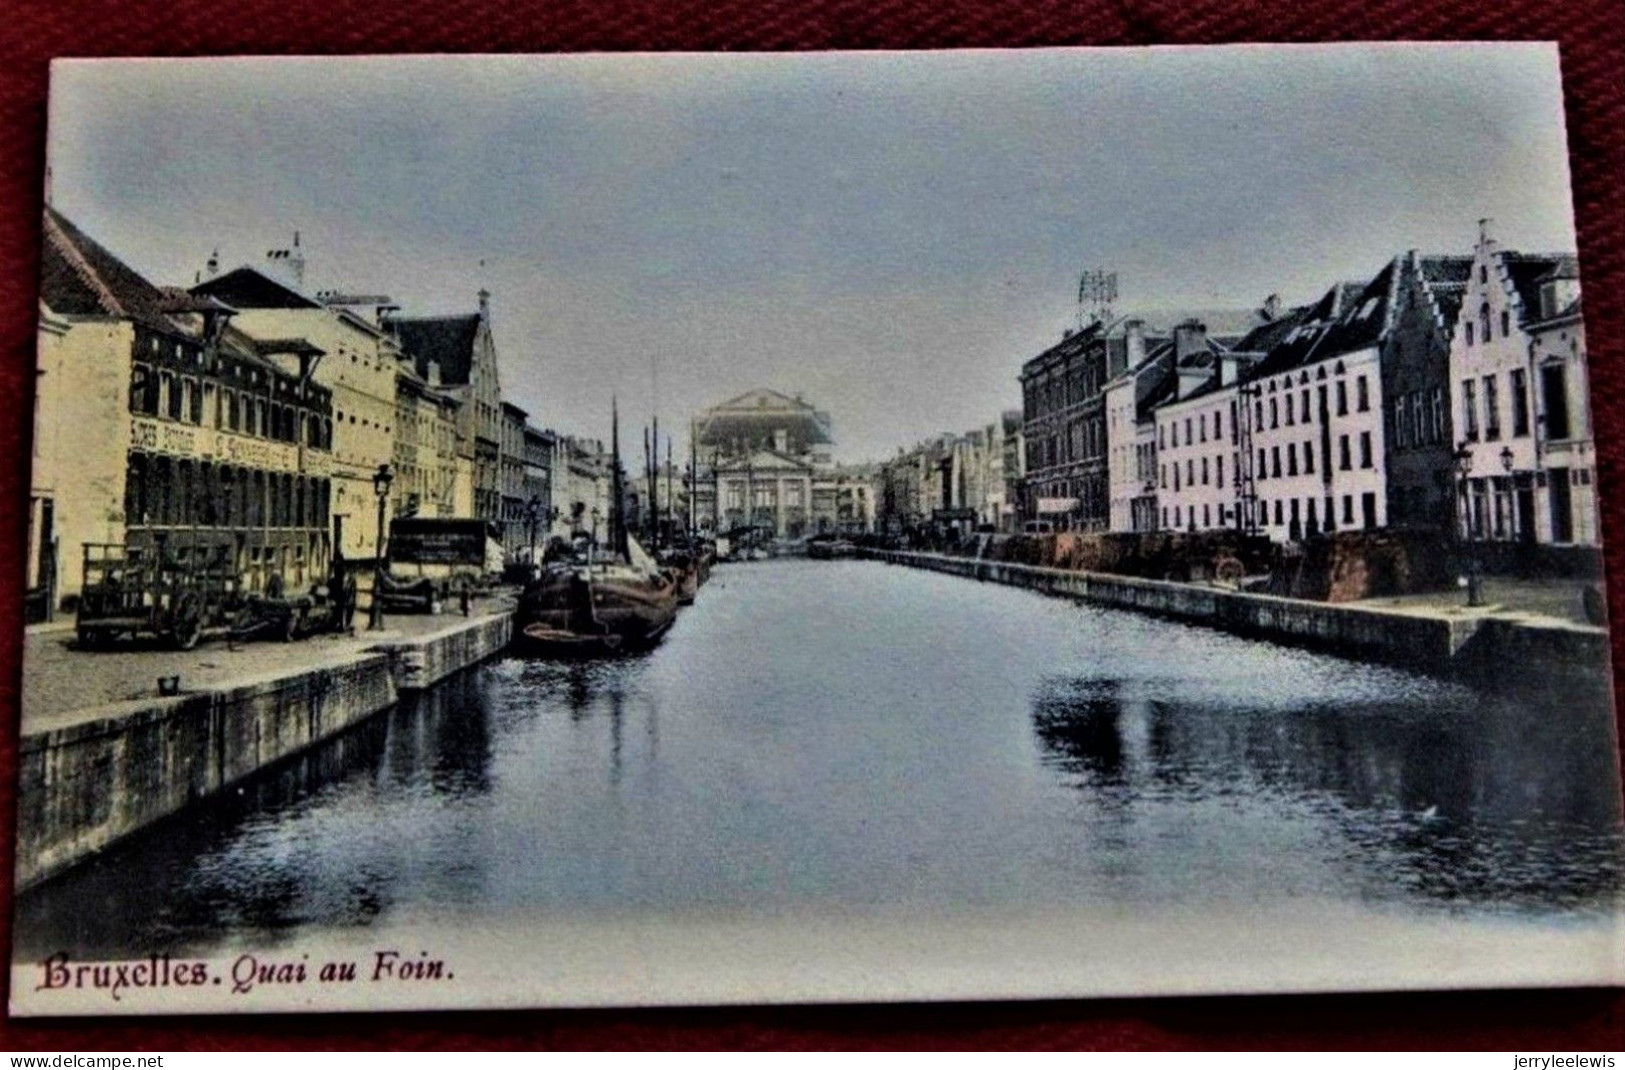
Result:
x=358 y=365
x=1520 y=398
x=164 y=429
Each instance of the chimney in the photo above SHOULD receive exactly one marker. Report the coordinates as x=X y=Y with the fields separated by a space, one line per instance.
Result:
x=1229 y=368
x=296 y=263
x=1484 y=226
x=781 y=441
x=1189 y=337
x=1272 y=307
x=212 y=268
x=1133 y=345
x=485 y=304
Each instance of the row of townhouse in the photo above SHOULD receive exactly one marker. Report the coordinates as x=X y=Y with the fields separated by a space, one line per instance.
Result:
x=248 y=417
x=961 y=482
x=1445 y=393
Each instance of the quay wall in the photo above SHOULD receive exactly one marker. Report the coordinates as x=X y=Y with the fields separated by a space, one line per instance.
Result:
x=125 y=766
x=1434 y=642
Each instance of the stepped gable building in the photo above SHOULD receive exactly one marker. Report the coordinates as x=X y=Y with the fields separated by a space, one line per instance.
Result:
x=359 y=367
x=1064 y=421
x=1419 y=433
x=464 y=349
x=1519 y=391
x=163 y=428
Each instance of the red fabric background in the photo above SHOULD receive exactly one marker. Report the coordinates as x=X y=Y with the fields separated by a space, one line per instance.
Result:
x=1591 y=33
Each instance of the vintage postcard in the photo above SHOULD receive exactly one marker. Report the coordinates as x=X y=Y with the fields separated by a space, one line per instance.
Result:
x=638 y=529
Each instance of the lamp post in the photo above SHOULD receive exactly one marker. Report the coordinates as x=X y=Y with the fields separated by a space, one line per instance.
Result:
x=1475 y=582
x=381 y=480
x=533 y=513
x=1511 y=499
x=592 y=543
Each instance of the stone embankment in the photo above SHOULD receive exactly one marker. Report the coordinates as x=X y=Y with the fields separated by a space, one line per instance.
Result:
x=1482 y=648
x=111 y=771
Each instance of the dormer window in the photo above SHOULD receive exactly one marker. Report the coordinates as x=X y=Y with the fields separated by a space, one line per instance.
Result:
x=1484 y=321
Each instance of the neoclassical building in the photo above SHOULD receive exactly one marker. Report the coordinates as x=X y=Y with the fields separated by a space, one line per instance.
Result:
x=763 y=461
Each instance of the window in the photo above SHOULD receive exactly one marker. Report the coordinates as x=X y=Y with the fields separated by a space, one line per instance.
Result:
x=1275 y=414
x=1162 y=478
x=1401 y=421
x=1492 y=410
x=1190 y=472
x=1484 y=321
x=1362 y=395
x=1348 y=508
x=1365 y=449
x=1258 y=414
x=1469 y=410
x=1162 y=436
x=1218 y=470
x=1277 y=512
x=1174 y=427
x=1469 y=335
x=170 y=392
x=1275 y=462
x=1554 y=390
x=1342 y=397
x=1207 y=516
x=1303 y=405
x=1343 y=458
x=1437 y=426
x=1506 y=323
x=1201 y=426
x=1288 y=400
x=1263 y=470
x=1520 y=403
x=1204 y=471
x=1176 y=475
x=1309 y=458
x=1291 y=458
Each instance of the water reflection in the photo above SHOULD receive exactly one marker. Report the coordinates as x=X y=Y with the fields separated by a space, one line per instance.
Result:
x=1463 y=798
x=213 y=871
x=843 y=737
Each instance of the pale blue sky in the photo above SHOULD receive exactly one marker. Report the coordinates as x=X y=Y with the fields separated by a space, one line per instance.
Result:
x=890 y=234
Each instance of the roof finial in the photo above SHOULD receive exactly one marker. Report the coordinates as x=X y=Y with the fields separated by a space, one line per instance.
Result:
x=1484 y=230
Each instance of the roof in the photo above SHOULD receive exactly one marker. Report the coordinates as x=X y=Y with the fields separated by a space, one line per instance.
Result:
x=80 y=277
x=249 y=287
x=1303 y=339
x=1527 y=271
x=445 y=340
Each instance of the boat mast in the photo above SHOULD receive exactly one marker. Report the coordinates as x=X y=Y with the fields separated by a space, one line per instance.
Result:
x=617 y=519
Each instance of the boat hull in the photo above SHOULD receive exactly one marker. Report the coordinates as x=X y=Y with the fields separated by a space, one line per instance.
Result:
x=576 y=611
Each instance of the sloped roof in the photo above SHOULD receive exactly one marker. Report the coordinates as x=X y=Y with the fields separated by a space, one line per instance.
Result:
x=1364 y=320
x=249 y=287
x=1302 y=341
x=1267 y=335
x=1527 y=271
x=80 y=277
x=446 y=340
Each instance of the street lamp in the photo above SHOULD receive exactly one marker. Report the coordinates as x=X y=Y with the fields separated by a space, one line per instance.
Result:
x=381 y=480
x=1475 y=583
x=1511 y=499
x=533 y=513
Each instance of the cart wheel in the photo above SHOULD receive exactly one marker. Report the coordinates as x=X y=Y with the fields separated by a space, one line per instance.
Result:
x=188 y=626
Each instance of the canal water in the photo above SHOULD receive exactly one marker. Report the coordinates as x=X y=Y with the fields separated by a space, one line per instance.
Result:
x=851 y=739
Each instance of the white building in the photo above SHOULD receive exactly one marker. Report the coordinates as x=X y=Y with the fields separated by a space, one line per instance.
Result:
x=1521 y=400
x=1315 y=440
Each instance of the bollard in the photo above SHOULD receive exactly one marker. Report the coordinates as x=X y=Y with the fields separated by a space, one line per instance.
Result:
x=467 y=602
